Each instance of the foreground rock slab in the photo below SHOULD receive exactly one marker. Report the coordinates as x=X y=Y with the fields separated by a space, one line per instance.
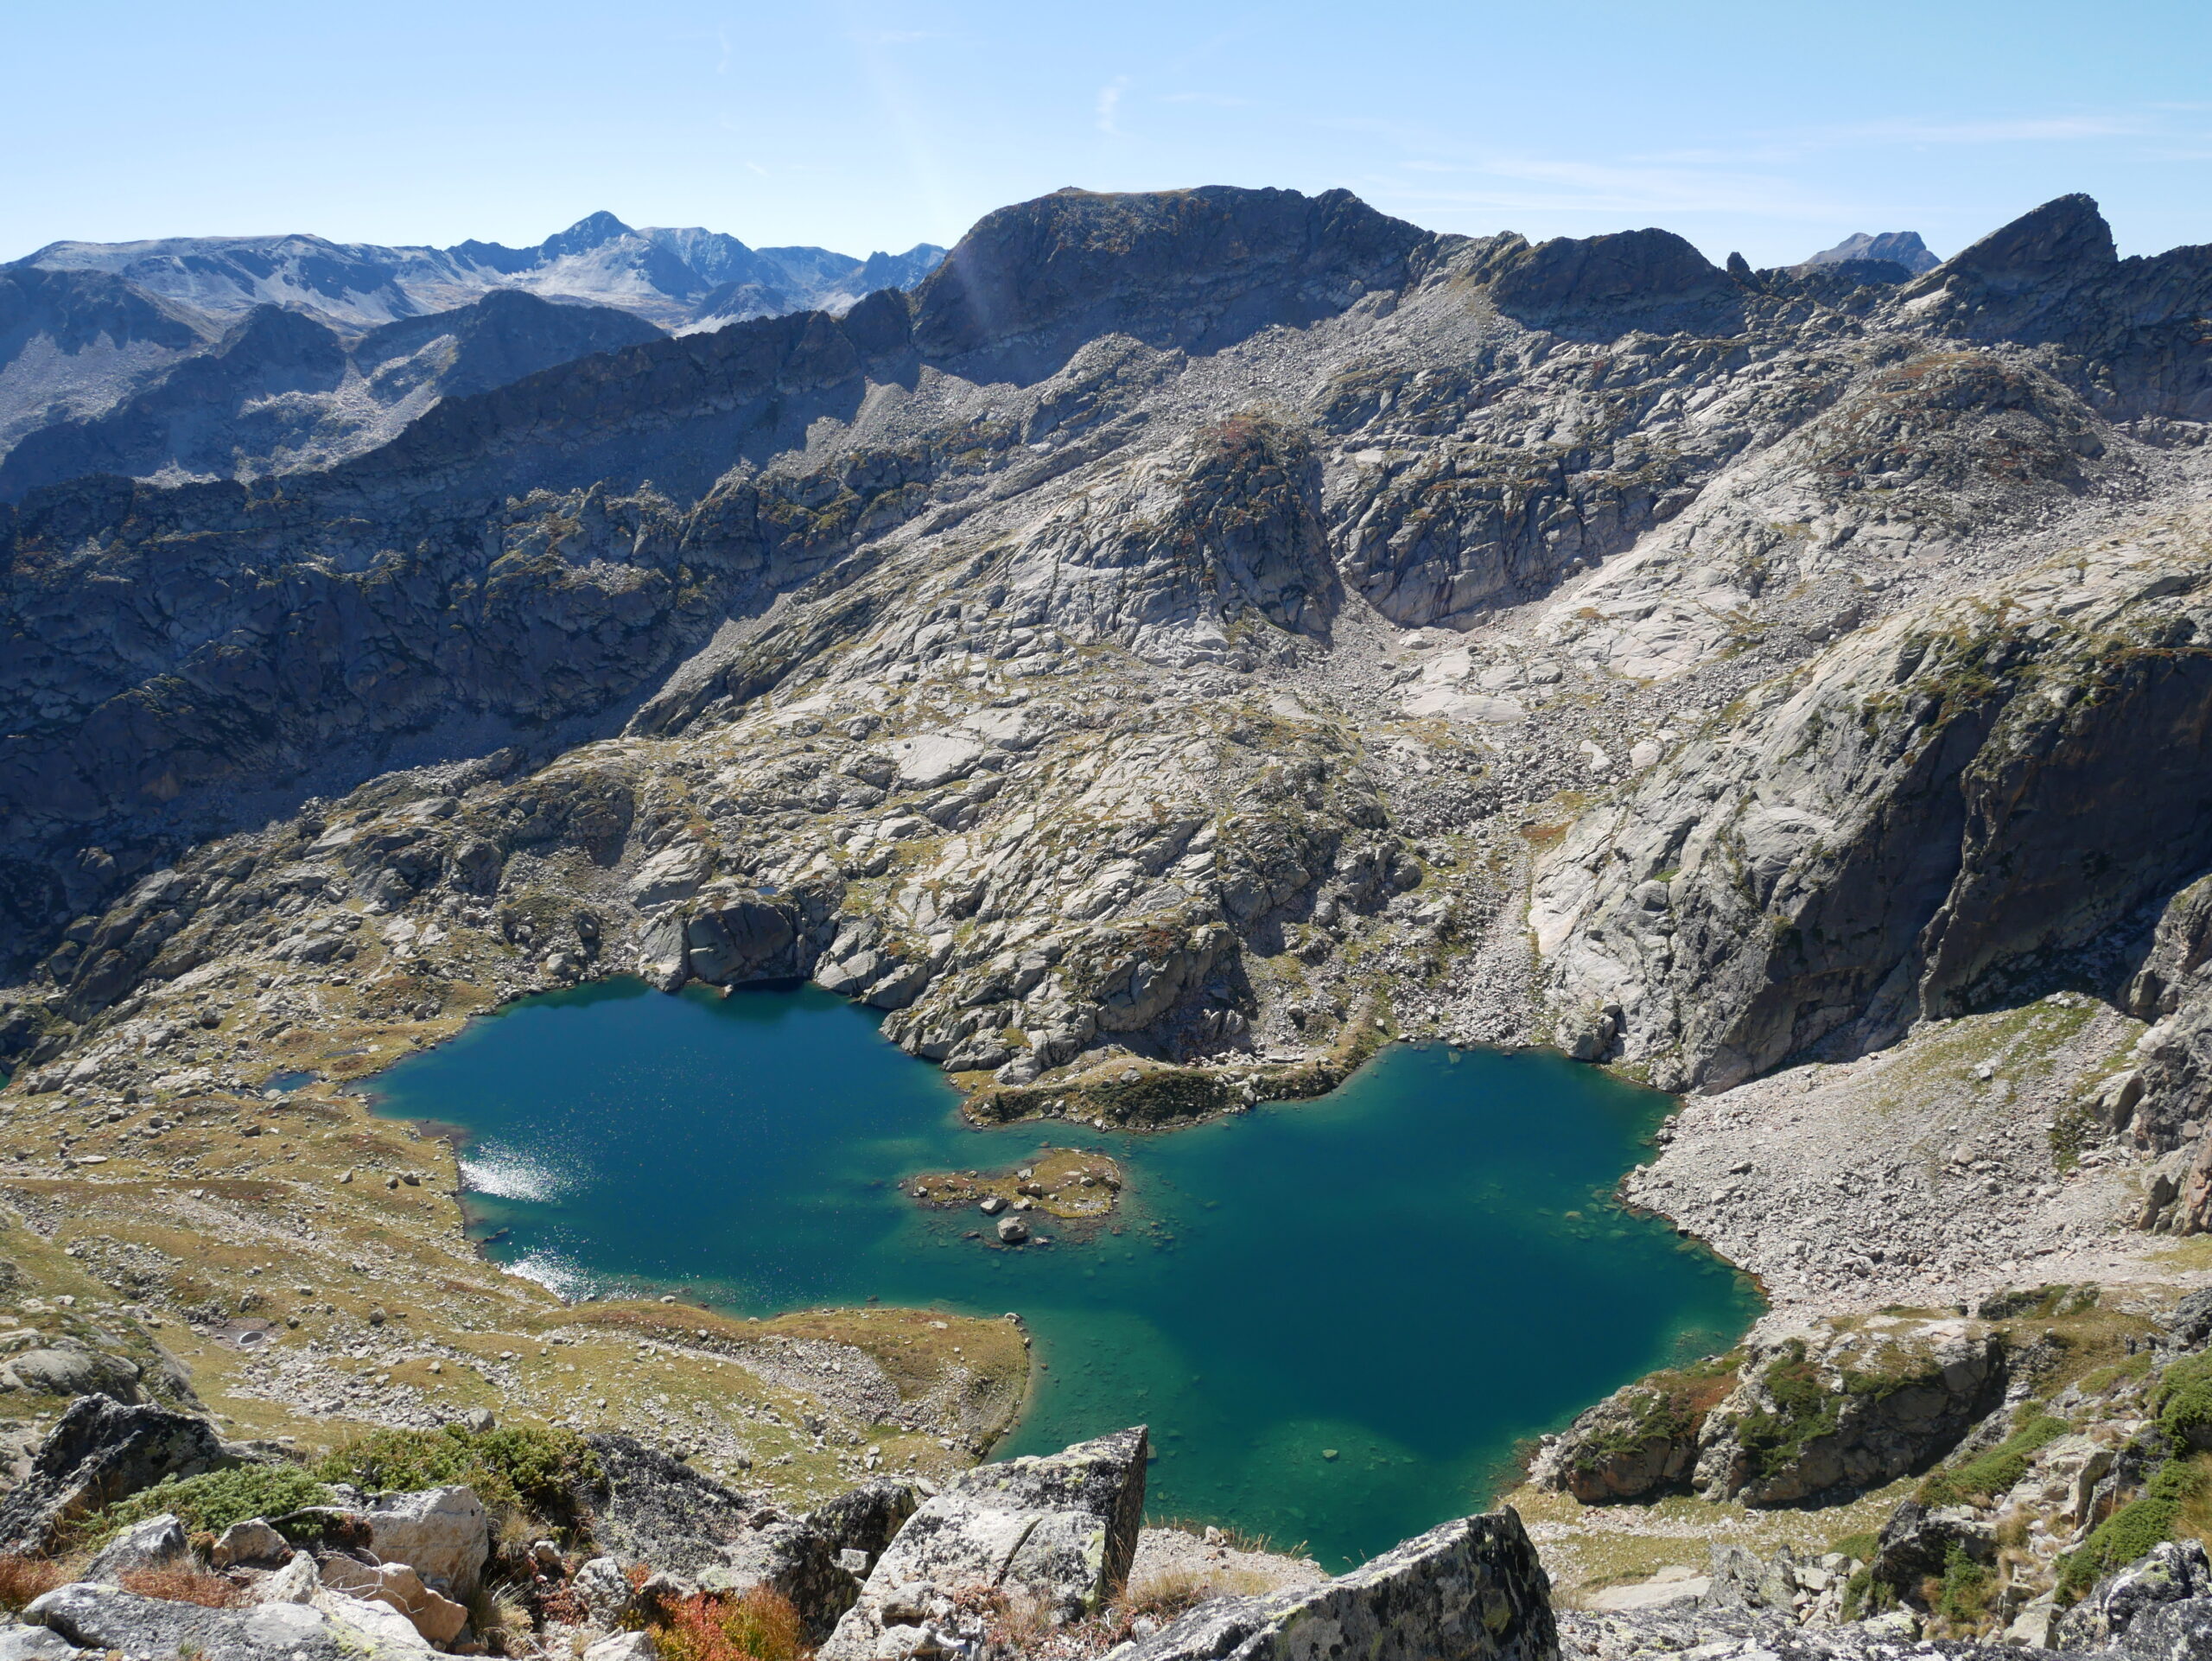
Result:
x=1060 y=1530
x=107 y=1618
x=100 y=1451
x=1469 y=1590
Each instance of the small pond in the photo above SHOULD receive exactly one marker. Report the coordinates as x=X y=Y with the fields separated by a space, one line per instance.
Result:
x=1410 y=1275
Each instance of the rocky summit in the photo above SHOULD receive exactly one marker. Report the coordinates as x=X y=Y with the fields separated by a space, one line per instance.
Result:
x=1186 y=641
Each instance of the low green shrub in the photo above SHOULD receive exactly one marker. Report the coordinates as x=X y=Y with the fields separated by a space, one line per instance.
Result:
x=2184 y=1402
x=532 y=1468
x=210 y=1504
x=2130 y=1530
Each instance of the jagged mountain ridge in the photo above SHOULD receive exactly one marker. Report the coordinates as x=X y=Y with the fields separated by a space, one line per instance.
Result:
x=1185 y=623
x=279 y=391
x=673 y=278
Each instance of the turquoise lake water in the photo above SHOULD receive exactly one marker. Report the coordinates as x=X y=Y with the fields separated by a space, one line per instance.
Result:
x=1415 y=1271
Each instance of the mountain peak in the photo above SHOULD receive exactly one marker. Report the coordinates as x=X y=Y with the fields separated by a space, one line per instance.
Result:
x=1145 y=256
x=2067 y=234
x=592 y=231
x=1903 y=247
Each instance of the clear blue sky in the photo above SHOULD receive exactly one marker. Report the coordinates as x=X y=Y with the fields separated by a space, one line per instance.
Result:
x=1774 y=128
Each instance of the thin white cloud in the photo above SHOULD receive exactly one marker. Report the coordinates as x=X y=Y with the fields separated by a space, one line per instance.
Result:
x=1110 y=105
x=2025 y=130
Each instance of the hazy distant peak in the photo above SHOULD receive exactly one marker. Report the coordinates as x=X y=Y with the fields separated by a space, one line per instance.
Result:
x=1904 y=247
x=592 y=231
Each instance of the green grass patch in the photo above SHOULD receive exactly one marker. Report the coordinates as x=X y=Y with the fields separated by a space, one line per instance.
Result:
x=2134 y=1529
x=1986 y=1475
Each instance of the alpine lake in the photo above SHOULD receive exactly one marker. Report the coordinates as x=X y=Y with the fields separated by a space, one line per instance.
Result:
x=1339 y=1317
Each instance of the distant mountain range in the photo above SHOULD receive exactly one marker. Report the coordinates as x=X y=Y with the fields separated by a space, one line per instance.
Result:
x=218 y=357
x=678 y=280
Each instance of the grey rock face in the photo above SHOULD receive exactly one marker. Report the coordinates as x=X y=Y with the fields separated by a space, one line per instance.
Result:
x=1058 y=1529
x=36 y=1644
x=1892 y=1407
x=866 y=1519
x=75 y=1370
x=99 y=1452
x=2172 y=1576
x=1468 y=1589
x=1892 y=1399
x=107 y=1618
x=1916 y=1542
x=1913 y=858
x=2179 y=1630
x=444 y=1534
x=656 y=1510
x=157 y=1543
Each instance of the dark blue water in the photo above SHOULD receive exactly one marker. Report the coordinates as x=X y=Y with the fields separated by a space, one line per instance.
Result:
x=1415 y=1271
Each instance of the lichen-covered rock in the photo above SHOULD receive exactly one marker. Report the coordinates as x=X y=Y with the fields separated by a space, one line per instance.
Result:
x=1469 y=1590
x=1840 y=1409
x=1059 y=1529
x=444 y=1534
x=1642 y=1439
x=655 y=1511
x=157 y=1543
x=2173 y=1572
x=108 y=1619
x=101 y=1451
x=866 y=1519
x=1916 y=1543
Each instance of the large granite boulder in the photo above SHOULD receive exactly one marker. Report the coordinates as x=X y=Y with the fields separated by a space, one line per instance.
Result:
x=101 y=1451
x=443 y=1534
x=106 y=1618
x=1471 y=1590
x=1060 y=1530
x=866 y=1519
x=651 y=1510
x=157 y=1543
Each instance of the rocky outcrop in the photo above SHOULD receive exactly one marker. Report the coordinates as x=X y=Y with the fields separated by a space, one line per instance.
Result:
x=109 y=1619
x=1059 y=1530
x=101 y=1451
x=1465 y=1590
x=1841 y=1406
x=1893 y=832
x=157 y=1543
x=653 y=1512
x=650 y=1509
x=2174 y=1581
